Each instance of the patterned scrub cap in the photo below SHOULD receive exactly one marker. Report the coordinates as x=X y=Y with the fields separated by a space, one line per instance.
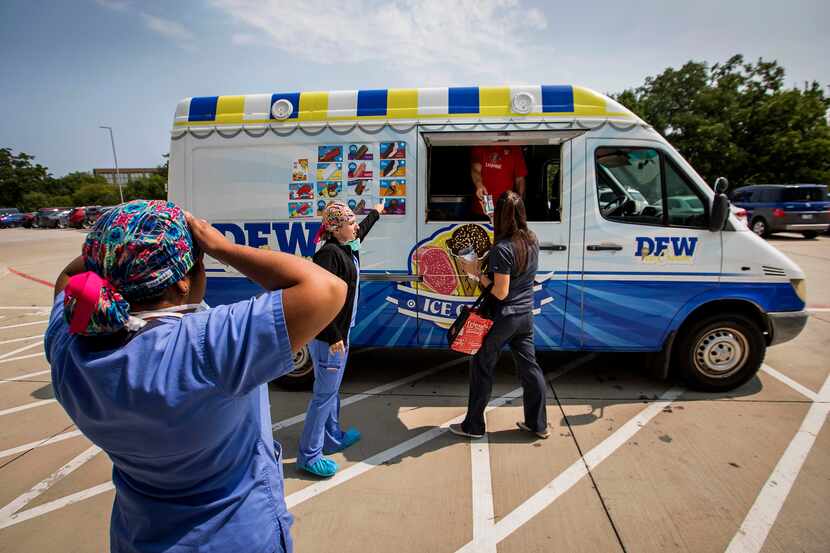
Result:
x=138 y=249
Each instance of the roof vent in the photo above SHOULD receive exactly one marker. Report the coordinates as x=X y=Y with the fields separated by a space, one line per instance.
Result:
x=282 y=109
x=522 y=103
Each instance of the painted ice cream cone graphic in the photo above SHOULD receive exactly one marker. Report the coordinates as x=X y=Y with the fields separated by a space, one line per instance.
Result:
x=467 y=239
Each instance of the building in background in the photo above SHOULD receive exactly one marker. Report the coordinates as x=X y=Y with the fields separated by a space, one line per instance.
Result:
x=125 y=176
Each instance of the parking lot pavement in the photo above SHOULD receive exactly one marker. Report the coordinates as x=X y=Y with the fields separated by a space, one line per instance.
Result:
x=633 y=464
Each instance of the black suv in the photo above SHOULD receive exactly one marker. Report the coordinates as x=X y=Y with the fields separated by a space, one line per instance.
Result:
x=803 y=208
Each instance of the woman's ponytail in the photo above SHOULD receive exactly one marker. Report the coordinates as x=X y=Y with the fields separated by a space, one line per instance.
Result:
x=93 y=307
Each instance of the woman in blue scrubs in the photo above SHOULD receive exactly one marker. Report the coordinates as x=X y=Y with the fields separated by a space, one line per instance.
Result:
x=340 y=256
x=177 y=396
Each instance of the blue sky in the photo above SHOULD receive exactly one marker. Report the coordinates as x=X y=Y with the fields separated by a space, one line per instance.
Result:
x=69 y=66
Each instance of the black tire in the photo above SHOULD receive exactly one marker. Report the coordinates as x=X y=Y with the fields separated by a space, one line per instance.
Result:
x=760 y=227
x=720 y=352
x=810 y=234
x=302 y=377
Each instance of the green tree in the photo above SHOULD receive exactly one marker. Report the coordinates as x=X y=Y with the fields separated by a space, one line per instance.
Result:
x=96 y=193
x=18 y=176
x=736 y=119
x=153 y=187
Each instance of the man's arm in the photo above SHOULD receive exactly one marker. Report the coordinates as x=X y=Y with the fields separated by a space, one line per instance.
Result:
x=520 y=187
x=478 y=182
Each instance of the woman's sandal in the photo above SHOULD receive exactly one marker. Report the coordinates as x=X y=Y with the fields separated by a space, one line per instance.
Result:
x=543 y=435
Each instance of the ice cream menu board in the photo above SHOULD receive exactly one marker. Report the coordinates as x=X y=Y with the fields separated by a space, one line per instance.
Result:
x=357 y=174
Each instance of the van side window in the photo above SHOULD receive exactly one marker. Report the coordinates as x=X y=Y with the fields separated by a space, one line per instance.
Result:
x=642 y=186
x=451 y=193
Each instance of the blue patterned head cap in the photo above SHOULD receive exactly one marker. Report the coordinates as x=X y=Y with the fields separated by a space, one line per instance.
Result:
x=139 y=249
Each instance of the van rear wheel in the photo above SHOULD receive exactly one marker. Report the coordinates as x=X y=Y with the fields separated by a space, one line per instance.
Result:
x=719 y=353
x=302 y=377
x=810 y=234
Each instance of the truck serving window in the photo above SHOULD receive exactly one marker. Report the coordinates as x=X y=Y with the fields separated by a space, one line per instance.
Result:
x=450 y=190
x=641 y=185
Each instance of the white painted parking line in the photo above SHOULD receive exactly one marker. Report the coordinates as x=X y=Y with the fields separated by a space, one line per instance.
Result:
x=574 y=473
x=26 y=407
x=23 y=499
x=20 y=325
x=18 y=350
x=40 y=443
x=13 y=359
x=25 y=307
x=483 y=511
x=3 y=342
x=819 y=310
x=763 y=513
x=803 y=390
x=374 y=391
x=65 y=501
x=28 y=514
x=24 y=376
x=379 y=458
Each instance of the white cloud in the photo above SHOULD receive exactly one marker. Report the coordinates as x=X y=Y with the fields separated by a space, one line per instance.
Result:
x=169 y=29
x=459 y=39
x=243 y=39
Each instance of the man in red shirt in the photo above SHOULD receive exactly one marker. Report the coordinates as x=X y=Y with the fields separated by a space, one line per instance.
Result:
x=495 y=170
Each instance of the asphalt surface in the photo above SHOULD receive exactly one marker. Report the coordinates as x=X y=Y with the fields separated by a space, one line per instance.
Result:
x=633 y=464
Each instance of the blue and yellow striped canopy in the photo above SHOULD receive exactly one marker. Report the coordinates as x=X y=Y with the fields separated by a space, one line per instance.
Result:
x=412 y=104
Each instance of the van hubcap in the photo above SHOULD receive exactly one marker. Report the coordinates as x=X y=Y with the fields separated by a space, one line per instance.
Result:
x=721 y=352
x=302 y=366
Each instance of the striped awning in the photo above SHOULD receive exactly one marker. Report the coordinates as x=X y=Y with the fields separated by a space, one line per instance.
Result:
x=413 y=104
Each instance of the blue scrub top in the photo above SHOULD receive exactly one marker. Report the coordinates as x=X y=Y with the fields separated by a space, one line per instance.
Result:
x=183 y=412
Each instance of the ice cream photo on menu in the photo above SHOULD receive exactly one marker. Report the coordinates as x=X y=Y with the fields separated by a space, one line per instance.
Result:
x=301 y=191
x=393 y=168
x=300 y=209
x=392 y=150
x=360 y=170
x=360 y=152
x=329 y=153
x=393 y=187
x=299 y=170
x=360 y=187
x=329 y=189
x=329 y=171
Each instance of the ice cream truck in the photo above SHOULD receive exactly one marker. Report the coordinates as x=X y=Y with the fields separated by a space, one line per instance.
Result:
x=637 y=252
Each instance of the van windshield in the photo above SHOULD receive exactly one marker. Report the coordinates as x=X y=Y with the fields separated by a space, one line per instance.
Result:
x=805 y=194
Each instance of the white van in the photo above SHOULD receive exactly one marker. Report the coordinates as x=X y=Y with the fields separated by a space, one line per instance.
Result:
x=637 y=252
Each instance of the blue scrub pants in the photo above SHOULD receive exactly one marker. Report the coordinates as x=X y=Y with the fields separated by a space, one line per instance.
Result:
x=322 y=419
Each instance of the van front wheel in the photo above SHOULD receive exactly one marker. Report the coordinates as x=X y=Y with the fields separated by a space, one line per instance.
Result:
x=302 y=377
x=719 y=353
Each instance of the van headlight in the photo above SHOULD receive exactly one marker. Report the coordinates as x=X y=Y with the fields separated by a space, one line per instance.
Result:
x=800 y=287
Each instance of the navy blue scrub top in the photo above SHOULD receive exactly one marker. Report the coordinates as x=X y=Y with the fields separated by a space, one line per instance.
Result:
x=182 y=410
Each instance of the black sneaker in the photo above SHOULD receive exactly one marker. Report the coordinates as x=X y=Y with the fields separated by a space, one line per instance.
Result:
x=458 y=431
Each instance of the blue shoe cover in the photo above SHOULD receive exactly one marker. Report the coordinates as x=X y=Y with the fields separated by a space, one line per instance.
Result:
x=325 y=468
x=350 y=437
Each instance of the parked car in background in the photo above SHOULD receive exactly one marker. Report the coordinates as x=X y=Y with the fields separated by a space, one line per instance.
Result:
x=29 y=219
x=85 y=216
x=53 y=217
x=10 y=217
x=771 y=208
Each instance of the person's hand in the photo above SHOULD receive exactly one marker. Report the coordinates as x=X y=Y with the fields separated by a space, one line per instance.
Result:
x=379 y=208
x=480 y=193
x=337 y=347
x=210 y=240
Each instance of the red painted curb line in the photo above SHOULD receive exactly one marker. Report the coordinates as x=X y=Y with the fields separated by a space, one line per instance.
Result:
x=30 y=277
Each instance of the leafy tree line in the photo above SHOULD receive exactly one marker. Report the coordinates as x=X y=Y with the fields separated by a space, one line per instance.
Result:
x=737 y=120
x=28 y=186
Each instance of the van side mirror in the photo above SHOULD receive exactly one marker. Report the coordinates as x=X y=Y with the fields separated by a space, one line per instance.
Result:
x=721 y=185
x=720 y=212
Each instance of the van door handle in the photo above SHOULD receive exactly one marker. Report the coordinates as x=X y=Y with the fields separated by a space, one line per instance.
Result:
x=390 y=277
x=553 y=247
x=604 y=247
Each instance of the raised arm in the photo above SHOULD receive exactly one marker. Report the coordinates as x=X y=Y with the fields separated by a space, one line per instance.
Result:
x=311 y=296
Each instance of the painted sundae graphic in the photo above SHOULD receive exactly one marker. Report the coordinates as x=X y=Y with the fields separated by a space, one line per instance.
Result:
x=445 y=287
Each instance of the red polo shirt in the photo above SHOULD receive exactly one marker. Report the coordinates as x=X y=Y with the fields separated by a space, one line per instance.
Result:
x=500 y=167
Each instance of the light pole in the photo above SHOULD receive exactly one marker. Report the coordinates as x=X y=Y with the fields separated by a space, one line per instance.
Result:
x=115 y=157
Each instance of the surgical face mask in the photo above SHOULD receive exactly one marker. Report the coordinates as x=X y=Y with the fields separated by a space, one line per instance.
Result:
x=354 y=244
x=138 y=320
